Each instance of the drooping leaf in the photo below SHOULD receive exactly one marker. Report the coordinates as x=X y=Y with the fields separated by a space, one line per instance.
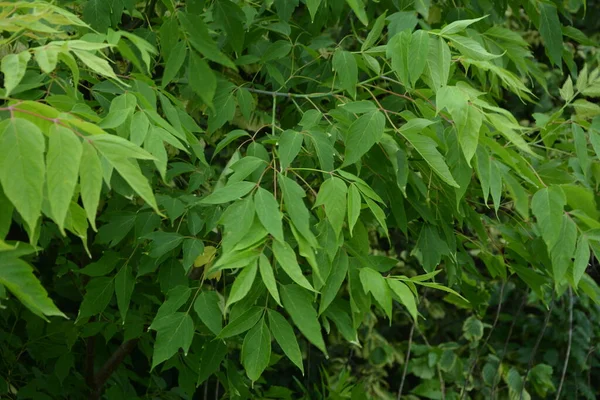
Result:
x=267 y=210
x=284 y=335
x=344 y=65
x=268 y=278
x=174 y=332
x=374 y=283
x=229 y=193
x=124 y=285
x=13 y=67
x=207 y=308
x=242 y=284
x=286 y=257
x=290 y=144
x=362 y=135
x=332 y=195
x=256 y=350
x=550 y=29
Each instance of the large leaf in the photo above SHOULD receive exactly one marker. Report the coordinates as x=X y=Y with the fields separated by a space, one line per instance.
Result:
x=14 y=67
x=284 y=335
x=362 y=135
x=174 y=332
x=550 y=29
x=256 y=350
x=298 y=303
x=267 y=210
x=344 y=65
x=286 y=257
x=332 y=195
x=22 y=167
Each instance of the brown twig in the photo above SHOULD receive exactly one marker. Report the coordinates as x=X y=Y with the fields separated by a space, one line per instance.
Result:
x=564 y=371
x=410 y=336
x=111 y=366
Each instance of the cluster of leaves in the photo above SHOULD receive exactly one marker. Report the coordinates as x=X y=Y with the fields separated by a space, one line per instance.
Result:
x=227 y=190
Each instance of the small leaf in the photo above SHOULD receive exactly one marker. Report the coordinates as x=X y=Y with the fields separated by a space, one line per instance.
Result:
x=359 y=9
x=14 y=67
x=228 y=193
x=242 y=285
x=547 y=205
x=459 y=26
x=298 y=303
x=339 y=268
x=419 y=48
x=362 y=135
x=332 y=195
x=405 y=296
x=124 y=284
x=284 y=336
x=174 y=63
x=354 y=204
x=472 y=329
x=207 y=308
x=268 y=278
x=286 y=257
x=375 y=33
x=256 y=350
x=290 y=144
x=62 y=167
x=582 y=259
x=98 y=293
x=192 y=249
x=374 y=283
x=242 y=323
x=438 y=62
x=344 y=65
x=267 y=210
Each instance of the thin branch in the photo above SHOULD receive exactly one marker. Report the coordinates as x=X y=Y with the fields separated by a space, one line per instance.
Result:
x=485 y=342
x=537 y=344
x=564 y=371
x=507 y=341
x=285 y=94
x=406 y=360
x=111 y=366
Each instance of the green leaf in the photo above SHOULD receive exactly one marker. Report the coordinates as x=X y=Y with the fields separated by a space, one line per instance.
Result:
x=114 y=148
x=378 y=213
x=298 y=303
x=375 y=32
x=547 y=205
x=130 y=171
x=550 y=29
x=404 y=296
x=332 y=195
x=231 y=17
x=472 y=329
x=286 y=339
x=96 y=64
x=362 y=135
x=582 y=259
x=228 y=193
x=339 y=269
x=98 y=293
x=17 y=276
x=313 y=7
x=296 y=209
x=62 y=167
x=207 y=308
x=212 y=355
x=242 y=285
x=354 y=204
x=174 y=332
x=124 y=284
x=430 y=248
x=267 y=210
x=90 y=181
x=47 y=58
x=289 y=146
x=374 y=283
x=268 y=278
x=242 y=323
x=438 y=62
x=286 y=257
x=174 y=63
x=192 y=248
x=359 y=9
x=581 y=148
x=419 y=48
x=256 y=350
x=471 y=48
x=246 y=102
x=237 y=221
x=426 y=147
x=14 y=67
x=103 y=266
x=199 y=37
x=344 y=64
x=121 y=108
x=398 y=50
x=459 y=26
x=202 y=79
x=564 y=248
x=22 y=167
x=163 y=242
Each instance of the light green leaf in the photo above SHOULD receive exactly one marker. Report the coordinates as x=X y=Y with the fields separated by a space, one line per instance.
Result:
x=354 y=204
x=96 y=64
x=14 y=67
x=268 y=278
x=459 y=26
x=582 y=259
x=115 y=147
x=298 y=303
x=256 y=350
x=509 y=131
x=426 y=147
x=296 y=209
x=564 y=248
x=284 y=335
x=375 y=32
x=17 y=276
x=405 y=296
x=398 y=49
x=47 y=58
x=344 y=64
x=438 y=62
x=174 y=332
x=121 y=108
x=472 y=329
x=22 y=167
x=313 y=7
x=207 y=308
x=286 y=257
x=419 y=49
x=471 y=48
x=566 y=91
x=550 y=29
x=339 y=268
x=130 y=171
x=90 y=181
x=98 y=293
x=228 y=193
x=374 y=283
x=62 y=167
x=289 y=146
x=202 y=79
x=242 y=323
x=332 y=195
x=267 y=210
x=378 y=213
x=547 y=205
x=359 y=9
x=242 y=285
x=124 y=284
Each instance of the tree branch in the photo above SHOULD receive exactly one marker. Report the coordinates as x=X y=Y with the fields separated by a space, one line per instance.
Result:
x=111 y=366
x=406 y=360
x=564 y=371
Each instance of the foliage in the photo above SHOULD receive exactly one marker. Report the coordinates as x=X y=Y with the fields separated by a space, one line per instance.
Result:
x=279 y=199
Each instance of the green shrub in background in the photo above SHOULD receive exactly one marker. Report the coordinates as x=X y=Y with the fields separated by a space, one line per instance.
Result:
x=283 y=199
